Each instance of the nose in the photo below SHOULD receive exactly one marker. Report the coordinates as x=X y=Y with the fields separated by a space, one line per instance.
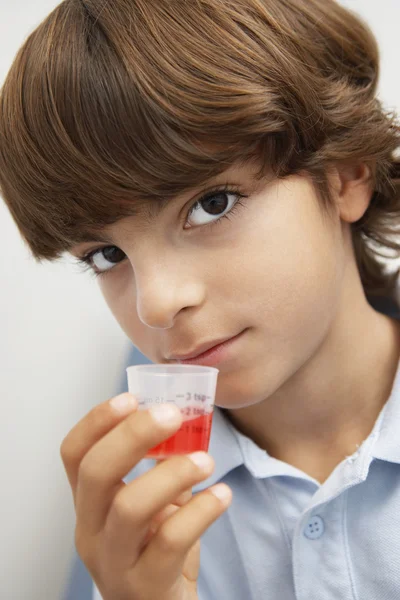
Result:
x=164 y=289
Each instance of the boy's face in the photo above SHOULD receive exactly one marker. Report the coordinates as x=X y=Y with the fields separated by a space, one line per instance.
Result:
x=274 y=270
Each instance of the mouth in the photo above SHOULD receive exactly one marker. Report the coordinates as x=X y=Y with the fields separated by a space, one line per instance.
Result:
x=210 y=353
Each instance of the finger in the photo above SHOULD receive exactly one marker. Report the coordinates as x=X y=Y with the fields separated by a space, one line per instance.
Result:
x=184 y=497
x=113 y=456
x=90 y=429
x=165 y=556
x=191 y=566
x=166 y=512
x=157 y=520
x=138 y=505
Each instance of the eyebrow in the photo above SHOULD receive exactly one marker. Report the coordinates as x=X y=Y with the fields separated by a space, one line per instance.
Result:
x=150 y=209
x=88 y=237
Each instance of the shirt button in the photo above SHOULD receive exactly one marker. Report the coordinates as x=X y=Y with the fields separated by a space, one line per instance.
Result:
x=314 y=528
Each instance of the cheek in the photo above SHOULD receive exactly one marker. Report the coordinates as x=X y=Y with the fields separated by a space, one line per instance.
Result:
x=293 y=290
x=119 y=293
x=294 y=283
x=300 y=280
x=298 y=259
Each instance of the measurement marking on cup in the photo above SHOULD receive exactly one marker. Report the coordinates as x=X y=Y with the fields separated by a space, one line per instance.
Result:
x=195 y=405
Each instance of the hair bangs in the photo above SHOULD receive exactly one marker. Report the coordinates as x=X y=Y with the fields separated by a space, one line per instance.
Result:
x=121 y=124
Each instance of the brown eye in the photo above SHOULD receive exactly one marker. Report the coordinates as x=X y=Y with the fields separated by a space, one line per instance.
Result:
x=214 y=205
x=106 y=258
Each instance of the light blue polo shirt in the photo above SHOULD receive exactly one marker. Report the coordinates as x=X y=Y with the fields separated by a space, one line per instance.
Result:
x=287 y=537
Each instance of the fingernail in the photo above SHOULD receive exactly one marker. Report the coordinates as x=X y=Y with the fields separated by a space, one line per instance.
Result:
x=165 y=413
x=124 y=402
x=201 y=459
x=222 y=492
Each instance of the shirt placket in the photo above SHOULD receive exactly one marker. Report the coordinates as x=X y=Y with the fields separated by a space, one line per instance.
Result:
x=320 y=557
x=320 y=561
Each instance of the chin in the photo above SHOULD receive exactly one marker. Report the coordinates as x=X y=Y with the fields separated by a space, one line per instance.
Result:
x=241 y=395
x=248 y=387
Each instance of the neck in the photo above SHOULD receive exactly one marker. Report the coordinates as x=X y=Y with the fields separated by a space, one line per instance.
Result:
x=329 y=406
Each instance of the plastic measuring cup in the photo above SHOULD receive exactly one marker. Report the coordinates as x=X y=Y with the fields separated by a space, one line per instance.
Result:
x=192 y=388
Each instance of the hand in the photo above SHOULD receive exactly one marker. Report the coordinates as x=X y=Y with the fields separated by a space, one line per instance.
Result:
x=140 y=540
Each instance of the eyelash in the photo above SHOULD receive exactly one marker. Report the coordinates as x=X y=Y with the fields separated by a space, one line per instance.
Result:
x=85 y=262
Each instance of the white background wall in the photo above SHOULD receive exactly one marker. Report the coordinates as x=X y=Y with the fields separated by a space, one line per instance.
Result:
x=61 y=353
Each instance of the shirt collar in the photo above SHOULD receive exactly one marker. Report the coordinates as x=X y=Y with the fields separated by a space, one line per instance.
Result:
x=387 y=445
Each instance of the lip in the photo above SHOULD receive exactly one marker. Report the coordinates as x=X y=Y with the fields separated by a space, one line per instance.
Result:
x=212 y=354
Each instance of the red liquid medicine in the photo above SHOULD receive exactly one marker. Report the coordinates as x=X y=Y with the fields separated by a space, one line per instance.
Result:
x=193 y=435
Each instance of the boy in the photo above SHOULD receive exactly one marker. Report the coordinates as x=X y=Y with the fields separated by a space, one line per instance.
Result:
x=121 y=123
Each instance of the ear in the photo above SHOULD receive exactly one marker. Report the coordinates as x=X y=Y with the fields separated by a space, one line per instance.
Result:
x=354 y=188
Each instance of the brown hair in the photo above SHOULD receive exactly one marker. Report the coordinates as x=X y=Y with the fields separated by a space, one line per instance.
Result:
x=108 y=104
